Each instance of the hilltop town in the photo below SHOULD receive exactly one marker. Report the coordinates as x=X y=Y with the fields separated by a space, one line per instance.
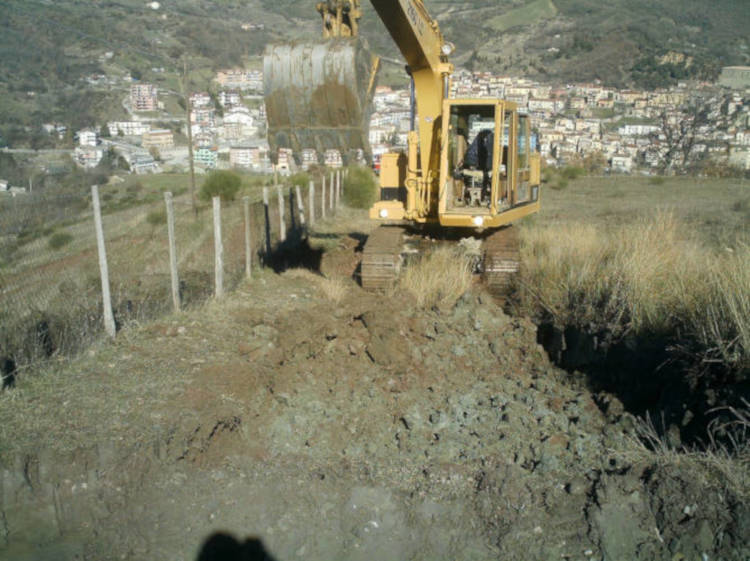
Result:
x=689 y=127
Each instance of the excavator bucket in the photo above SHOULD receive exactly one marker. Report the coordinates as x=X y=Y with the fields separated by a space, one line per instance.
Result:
x=318 y=95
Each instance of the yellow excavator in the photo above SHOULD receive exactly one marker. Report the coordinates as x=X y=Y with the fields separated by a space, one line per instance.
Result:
x=469 y=170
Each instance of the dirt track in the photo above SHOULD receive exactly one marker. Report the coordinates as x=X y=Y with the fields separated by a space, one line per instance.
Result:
x=357 y=429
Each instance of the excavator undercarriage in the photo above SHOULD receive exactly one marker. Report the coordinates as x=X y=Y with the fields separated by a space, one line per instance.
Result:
x=387 y=246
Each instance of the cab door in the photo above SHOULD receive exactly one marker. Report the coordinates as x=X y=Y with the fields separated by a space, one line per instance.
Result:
x=523 y=144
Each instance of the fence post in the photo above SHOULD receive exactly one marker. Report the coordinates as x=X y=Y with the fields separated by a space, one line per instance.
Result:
x=248 y=245
x=218 y=249
x=300 y=207
x=266 y=222
x=338 y=188
x=282 y=224
x=109 y=317
x=323 y=198
x=330 y=193
x=311 y=201
x=172 y=251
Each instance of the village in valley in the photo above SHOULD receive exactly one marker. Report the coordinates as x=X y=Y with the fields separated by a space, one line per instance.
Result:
x=605 y=129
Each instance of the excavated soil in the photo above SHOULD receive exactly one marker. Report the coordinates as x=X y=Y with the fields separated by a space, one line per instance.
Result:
x=340 y=425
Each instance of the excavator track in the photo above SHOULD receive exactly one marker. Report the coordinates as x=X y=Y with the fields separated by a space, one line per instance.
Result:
x=502 y=261
x=381 y=257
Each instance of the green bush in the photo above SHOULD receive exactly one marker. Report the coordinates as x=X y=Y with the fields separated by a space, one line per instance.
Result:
x=156 y=217
x=548 y=174
x=134 y=188
x=224 y=184
x=560 y=184
x=741 y=205
x=360 y=187
x=656 y=180
x=572 y=172
x=301 y=179
x=59 y=240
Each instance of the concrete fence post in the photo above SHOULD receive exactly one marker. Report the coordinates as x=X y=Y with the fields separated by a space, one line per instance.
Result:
x=169 y=203
x=311 y=201
x=266 y=222
x=109 y=316
x=323 y=198
x=218 y=250
x=330 y=194
x=338 y=188
x=282 y=223
x=248 y=240
x=300 y=207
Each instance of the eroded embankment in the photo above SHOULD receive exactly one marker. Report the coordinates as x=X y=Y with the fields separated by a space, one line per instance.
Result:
x=341 y=425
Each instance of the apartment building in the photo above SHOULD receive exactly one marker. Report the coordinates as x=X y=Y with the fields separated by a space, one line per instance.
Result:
x=158 y=138
x=143 y=97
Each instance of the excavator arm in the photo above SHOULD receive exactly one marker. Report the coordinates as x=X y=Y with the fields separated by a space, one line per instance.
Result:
x=419 y=39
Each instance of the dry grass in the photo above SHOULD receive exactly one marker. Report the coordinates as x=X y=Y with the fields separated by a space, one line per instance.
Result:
x=440 y=277
x=649 y=276
x=724 y=463
x=332 y=288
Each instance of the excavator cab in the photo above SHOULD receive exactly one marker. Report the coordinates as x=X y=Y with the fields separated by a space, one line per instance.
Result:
x=470 y=150
x=486 y=162
x=489 y=174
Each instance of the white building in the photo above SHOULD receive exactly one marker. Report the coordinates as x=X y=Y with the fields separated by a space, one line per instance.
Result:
x=241 y=157
x=637 y=130
x=308 y=158
x=229 y=98
x=284 y=161
x=332 y=158
x=239 y=122
x=143 y=97
x=200 y=99
x=622 y=163
x=128 y=128
x=88 y=137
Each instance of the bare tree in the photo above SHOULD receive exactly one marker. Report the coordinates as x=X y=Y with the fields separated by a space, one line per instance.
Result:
x=682 y=130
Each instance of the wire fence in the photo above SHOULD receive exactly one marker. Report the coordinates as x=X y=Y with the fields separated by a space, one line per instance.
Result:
x=51 y=290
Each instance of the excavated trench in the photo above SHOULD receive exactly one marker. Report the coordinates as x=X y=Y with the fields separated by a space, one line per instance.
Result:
x=682 y=398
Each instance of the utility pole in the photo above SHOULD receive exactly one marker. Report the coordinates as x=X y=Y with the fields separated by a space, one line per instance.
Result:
x=186 y=94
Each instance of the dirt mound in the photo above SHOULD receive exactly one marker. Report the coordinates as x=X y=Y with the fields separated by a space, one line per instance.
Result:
x=341 y=425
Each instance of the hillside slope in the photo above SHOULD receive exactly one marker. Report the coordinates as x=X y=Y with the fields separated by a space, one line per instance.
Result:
x=621 y=43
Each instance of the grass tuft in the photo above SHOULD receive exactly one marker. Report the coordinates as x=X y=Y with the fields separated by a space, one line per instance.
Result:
x=59 y=240
x=440 y=277
x=332 y=288
x=723 y=463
